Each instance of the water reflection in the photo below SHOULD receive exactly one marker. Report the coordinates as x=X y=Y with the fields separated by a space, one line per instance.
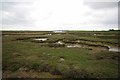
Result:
x=114 y=49
x=41 y=39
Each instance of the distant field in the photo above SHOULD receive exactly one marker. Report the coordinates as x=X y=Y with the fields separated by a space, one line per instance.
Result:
x=69 y=54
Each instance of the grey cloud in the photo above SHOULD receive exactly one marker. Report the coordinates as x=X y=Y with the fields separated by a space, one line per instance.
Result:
x=110 y=22
x=16 y=13
x=119 y=4
x=16 y=0
x=102 y=5
x=108 y=11
x=6 y=6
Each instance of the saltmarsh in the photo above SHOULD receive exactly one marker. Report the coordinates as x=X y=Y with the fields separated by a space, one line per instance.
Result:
x=22 y=53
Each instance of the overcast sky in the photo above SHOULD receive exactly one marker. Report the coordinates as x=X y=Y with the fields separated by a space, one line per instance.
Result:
x=58 y=15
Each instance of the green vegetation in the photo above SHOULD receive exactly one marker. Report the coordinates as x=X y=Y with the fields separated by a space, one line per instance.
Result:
x=53 y=60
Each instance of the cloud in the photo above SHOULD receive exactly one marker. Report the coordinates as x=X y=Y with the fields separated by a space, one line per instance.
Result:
x=105 y=16
x=17 y=0
x=102 y=5
x=59 y=14
x=15 y=13
x=102 y=0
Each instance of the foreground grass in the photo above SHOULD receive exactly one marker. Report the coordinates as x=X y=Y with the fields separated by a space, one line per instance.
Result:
x=27 y=56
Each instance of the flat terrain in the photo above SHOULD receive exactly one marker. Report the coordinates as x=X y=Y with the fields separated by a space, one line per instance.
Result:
x=69 y=54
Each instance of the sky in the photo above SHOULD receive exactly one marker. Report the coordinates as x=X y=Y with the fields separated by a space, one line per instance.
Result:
x=58 y=14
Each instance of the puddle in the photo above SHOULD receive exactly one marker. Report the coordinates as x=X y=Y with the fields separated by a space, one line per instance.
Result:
x=73 y=46
x=41 y=39
x=60 y=42
x=6 y=35
x=48 y=34
x=95 y=34
x=78 y=41
x=114 y=49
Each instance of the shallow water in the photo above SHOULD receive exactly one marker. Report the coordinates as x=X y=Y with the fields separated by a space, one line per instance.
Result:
x=41 y=39
x=59 y=42
x=114 y=49
x=6 y=35
x=73 y=46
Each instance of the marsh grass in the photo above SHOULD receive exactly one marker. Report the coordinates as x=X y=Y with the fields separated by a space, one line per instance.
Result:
x=44 y=57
